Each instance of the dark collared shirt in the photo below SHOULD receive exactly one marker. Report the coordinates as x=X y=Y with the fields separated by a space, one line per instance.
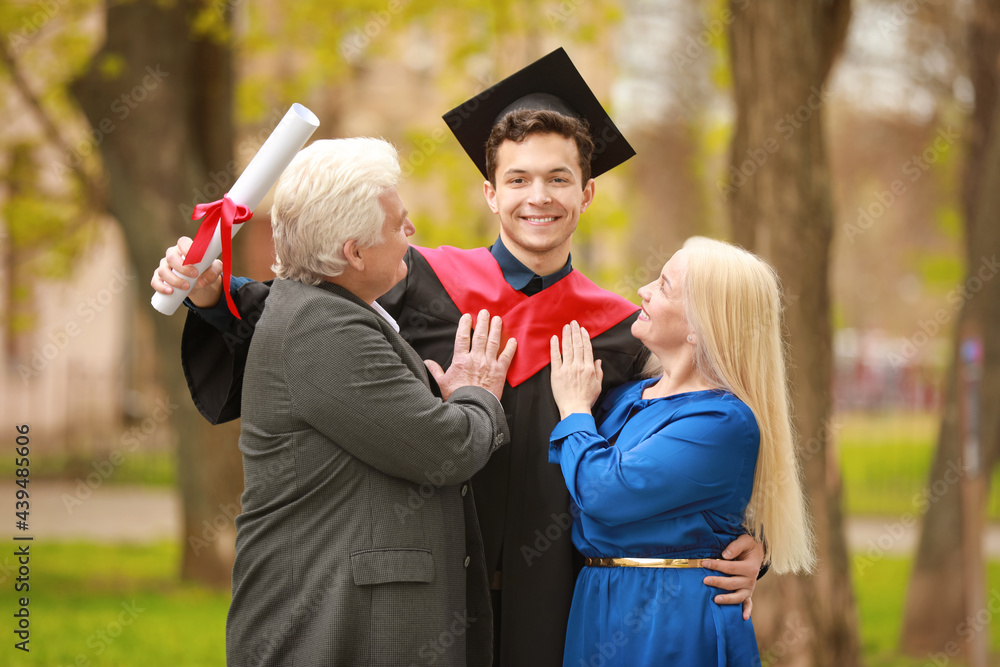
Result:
x=521 y=277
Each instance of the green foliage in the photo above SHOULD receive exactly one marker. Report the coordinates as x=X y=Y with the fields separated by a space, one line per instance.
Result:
x=838 y=317
x=34 y=219
x=48 y=220
x=950 y=222
x=209 y=22
x=718 y=13
x=111 y=66
x=608 y=219
x=307 y=42
x=940 y=272
x=716 y=137
x=47 y=228
x=53 y=36
x=579 y=21
x=251 y=100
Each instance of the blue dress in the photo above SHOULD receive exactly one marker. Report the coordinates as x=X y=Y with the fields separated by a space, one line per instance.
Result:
x=657 y=478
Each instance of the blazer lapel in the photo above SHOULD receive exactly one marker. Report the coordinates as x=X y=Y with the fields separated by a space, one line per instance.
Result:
x=400 y=346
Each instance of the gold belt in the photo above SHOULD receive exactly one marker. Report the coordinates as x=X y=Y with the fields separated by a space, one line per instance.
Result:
x=643 y=562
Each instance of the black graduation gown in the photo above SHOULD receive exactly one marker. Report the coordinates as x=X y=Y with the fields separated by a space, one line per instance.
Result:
x=521 y=498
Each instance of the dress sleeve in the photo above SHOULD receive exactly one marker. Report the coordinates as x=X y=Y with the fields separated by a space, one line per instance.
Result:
x=692 y=464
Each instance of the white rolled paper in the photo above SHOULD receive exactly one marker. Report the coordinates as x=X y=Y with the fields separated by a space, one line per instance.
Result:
x=261 y=174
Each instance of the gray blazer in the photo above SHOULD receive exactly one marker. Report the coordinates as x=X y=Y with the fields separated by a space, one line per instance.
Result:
x=358 y=543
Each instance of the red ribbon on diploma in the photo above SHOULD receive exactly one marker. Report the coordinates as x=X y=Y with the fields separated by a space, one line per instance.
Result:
x=225 y=213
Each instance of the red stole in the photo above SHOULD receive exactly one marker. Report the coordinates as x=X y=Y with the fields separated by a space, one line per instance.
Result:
x=473 y=280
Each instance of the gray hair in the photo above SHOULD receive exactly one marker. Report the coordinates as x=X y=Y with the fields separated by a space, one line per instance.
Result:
x=329 y=195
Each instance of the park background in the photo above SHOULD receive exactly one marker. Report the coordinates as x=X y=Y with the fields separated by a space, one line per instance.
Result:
x=854 y=144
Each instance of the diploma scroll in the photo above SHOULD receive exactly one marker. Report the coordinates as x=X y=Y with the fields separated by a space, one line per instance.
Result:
x=249 y=189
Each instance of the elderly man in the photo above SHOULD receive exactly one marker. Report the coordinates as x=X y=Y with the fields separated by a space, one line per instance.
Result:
x=358 y=542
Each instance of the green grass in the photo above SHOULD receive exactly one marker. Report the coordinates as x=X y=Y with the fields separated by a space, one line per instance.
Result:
x=81 y=593
x=886 y=459
x=880 y=588
x=139 y=467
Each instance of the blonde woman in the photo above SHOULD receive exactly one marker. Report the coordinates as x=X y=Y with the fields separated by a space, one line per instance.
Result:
x=670 y=469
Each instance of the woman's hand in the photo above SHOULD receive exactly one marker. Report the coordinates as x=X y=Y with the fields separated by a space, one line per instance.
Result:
x=576 y=377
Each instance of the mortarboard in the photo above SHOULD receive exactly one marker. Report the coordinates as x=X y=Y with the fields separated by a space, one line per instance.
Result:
x=552 y=82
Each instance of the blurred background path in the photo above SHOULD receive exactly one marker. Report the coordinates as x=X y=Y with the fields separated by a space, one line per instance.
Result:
x=62 y=511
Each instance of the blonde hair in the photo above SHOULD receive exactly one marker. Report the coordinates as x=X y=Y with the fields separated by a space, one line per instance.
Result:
x=329 y=195
x=733 y=306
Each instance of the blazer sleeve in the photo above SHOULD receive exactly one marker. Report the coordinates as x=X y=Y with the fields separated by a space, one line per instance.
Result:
x=347 y=382
x=214 y=358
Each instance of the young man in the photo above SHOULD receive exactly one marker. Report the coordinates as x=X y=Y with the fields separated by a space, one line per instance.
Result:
x=539 y=160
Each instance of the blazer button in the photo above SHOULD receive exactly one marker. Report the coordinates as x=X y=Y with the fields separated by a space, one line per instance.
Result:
x=465 y=489
x=467 y=561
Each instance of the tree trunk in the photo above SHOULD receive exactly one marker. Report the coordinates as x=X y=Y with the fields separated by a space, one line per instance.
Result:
x=779 y=192
x=935 y=616
x=161 y=100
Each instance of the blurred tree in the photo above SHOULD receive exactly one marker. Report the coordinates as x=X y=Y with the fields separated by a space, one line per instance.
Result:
x=668 y=53
x=899 y=91
x=48 y=220
x=935 y=607
x=778 y=187
x=160 y=94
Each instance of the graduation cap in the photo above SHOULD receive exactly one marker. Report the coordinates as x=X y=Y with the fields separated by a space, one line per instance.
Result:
x=552 y=83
